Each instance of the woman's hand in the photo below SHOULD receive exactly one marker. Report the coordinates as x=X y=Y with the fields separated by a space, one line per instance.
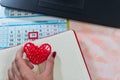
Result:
x=21 y=69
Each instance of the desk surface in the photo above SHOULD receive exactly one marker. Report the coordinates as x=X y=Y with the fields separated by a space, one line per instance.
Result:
x=101 y=48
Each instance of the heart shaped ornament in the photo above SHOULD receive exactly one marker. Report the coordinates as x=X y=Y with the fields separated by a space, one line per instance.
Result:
x=37 y=54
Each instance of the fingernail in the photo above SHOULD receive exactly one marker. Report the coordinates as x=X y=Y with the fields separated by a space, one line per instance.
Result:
x=54 y=54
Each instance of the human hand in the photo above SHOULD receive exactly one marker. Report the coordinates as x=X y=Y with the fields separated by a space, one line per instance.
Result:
x=21 y=69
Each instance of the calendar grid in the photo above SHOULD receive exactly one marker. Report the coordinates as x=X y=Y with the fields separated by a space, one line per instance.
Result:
x=13 y=34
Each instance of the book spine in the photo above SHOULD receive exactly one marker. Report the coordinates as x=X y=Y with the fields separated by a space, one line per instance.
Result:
x=82 y=54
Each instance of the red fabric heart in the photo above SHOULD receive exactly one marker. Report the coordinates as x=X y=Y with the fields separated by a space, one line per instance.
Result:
x=37 y=54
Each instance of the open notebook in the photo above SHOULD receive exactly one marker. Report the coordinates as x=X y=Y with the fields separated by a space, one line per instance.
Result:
x=69 y=62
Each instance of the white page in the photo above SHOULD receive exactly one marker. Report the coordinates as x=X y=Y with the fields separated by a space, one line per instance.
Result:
x=69 y=63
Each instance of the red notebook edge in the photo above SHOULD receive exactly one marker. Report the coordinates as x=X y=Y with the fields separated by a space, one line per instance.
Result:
x=82 y=54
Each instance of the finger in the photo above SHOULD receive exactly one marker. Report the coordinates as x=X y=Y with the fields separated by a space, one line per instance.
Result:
x=29 y=64
x=20 y=52
x=20 y=55
x=21 y=64
x=16 y=72
x=16 y=78
x=10 y=74
x=50 y=63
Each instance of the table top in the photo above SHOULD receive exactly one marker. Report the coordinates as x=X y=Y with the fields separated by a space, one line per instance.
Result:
x=100 y=46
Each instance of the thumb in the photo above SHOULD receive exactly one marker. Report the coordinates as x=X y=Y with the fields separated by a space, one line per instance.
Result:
x=50 y=63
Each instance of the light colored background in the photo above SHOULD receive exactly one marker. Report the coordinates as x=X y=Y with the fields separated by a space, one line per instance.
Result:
x=101 y=48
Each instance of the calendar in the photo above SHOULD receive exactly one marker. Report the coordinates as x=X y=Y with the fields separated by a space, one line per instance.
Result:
x=18 y=13
x=13 y=34
x=18 y=27
x=13 y=13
